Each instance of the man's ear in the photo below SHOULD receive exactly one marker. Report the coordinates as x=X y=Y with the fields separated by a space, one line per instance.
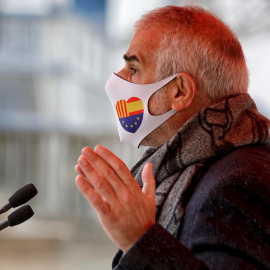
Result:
x=183 y=92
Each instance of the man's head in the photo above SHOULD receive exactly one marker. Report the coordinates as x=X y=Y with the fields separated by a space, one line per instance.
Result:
x=194 y=41
x=200 y=48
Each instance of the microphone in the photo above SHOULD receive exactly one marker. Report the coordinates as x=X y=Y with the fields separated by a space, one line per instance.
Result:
x=17 y=217
x=20 y=197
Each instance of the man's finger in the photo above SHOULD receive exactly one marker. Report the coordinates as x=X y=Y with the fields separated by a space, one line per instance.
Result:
x=100 y=206
x=99 y=183
x=106 y=163
x=149 y=184
x=79 y=171
x=116 y=164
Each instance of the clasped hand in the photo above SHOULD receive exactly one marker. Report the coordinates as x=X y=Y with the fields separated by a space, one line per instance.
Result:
x=125 y=210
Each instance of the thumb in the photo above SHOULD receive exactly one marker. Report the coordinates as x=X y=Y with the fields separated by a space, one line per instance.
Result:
x=149 y=183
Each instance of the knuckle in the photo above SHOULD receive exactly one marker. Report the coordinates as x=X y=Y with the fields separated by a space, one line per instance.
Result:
x=101 y=185
x=127 y=197
x=108 y=173
x=96 y=201
x=119 y=166
x=98 y=204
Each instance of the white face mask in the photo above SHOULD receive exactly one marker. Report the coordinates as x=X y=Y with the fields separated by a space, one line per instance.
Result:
x=130 y=103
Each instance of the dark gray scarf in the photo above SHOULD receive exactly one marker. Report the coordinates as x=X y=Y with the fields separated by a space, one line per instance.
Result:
x=181 y=161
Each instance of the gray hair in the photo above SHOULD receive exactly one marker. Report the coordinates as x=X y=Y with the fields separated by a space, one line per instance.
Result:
x=198 y=43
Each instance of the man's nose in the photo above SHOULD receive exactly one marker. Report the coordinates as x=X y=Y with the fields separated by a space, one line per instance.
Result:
x=122 y=74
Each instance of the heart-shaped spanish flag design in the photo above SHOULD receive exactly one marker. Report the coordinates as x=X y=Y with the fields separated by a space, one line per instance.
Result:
x=130 y=113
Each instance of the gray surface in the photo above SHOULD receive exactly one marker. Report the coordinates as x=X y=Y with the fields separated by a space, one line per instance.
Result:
x=55 y=255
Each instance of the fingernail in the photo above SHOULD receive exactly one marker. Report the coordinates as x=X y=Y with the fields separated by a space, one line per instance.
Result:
x=87 y=151
x=98 y=149
x=83 y=161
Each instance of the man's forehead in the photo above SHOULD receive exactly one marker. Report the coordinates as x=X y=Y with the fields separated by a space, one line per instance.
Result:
x=142 y=46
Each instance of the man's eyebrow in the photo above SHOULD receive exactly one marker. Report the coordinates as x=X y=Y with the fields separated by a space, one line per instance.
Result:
x=130 y=58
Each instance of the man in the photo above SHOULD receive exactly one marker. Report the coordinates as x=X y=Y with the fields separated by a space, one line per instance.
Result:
x=199 y=198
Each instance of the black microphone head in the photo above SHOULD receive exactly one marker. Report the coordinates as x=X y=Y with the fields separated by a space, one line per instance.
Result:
x=23 y=195
x=20 y=215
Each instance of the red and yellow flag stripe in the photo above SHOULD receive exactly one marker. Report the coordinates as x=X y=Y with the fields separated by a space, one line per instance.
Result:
x=128 y=108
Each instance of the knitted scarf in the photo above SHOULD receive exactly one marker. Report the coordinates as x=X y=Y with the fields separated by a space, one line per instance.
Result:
x=180 y=162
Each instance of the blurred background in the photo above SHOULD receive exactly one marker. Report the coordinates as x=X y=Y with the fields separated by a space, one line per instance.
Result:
x=55 y=58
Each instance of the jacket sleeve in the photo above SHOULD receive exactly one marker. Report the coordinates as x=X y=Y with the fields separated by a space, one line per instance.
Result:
x=157 y=249
x=226 y=224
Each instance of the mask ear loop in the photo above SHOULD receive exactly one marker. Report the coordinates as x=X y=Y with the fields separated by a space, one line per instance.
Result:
x=156 y=92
